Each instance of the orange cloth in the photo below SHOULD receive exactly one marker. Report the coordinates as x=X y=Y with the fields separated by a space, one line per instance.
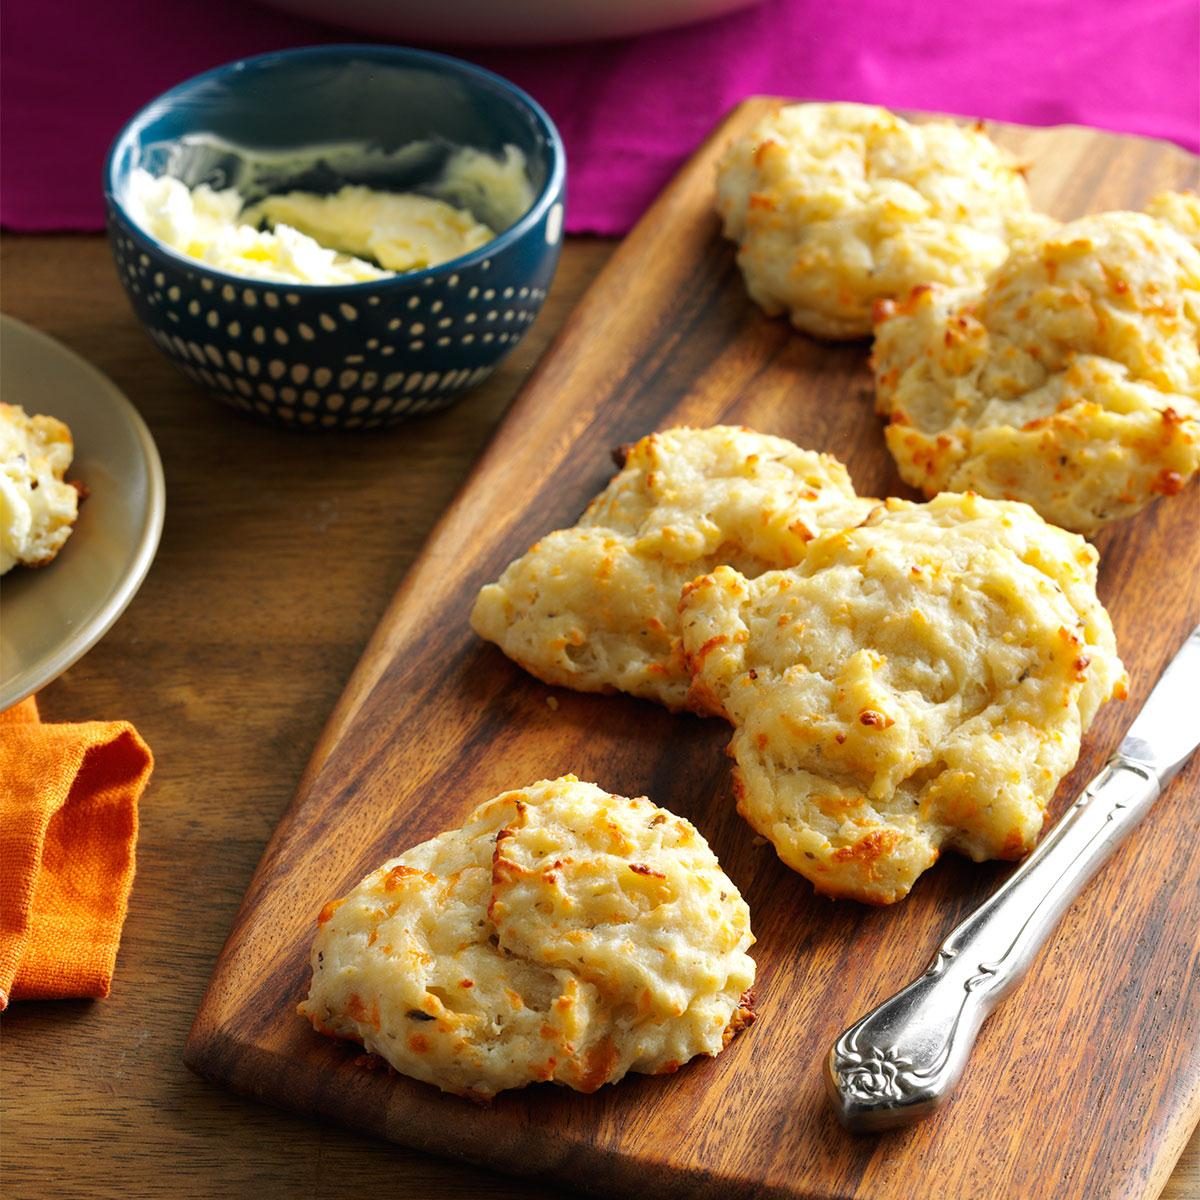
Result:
x=68 y=827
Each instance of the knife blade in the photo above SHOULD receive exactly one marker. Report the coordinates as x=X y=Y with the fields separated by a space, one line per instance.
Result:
x=903 y=1060
x=1167 y=729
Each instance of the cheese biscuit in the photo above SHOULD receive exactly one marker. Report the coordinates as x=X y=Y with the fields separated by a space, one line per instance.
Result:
x=1180 y=210
x=1071 y=381
x=562 y=934
x=37 y=508
x=594 y=607
x=836 y=206
x=921 y=681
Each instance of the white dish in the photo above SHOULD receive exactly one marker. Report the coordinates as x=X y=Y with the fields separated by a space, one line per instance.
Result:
x=51 y=616
x=513 y=23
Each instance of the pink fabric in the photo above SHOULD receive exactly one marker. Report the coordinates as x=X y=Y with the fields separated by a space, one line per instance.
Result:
x=630 y=111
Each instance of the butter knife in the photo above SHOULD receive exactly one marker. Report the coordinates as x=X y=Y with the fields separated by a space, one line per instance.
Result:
x=904 y=1058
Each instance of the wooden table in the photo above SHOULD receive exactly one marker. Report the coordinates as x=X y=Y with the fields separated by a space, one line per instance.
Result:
x=278 y=556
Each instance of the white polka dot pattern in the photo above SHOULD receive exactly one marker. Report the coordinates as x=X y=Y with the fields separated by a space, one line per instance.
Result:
x=319 y=359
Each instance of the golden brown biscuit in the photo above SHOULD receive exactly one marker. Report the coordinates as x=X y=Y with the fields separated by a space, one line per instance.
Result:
x=562 y=934
x=921 y=681
x=836 y=206
x=594 y=607
x=1071 y=381
x=37 y=509
x=1180 y=210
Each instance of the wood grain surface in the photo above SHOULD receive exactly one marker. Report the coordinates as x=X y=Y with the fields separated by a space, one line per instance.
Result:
x=229 y=661
x=1087 y=1081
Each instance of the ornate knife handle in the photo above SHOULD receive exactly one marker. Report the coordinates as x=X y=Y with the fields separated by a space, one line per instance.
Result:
x=904 y=1058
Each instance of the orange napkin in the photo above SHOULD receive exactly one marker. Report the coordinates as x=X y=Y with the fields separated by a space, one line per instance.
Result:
x=68 y=827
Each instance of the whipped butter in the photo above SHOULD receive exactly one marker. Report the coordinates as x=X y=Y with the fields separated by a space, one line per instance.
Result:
x=353 y=235
x=205 y=225
x=497 y=190
x=401 y=232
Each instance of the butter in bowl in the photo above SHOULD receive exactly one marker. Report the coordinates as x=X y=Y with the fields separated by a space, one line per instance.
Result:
x=337 y=237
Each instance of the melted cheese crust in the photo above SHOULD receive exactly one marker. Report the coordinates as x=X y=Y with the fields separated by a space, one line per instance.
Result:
x=37 y=509
x=1071 y=381
x=563 y=934
x=594 y=607
x=836 y=206
x=919 y=682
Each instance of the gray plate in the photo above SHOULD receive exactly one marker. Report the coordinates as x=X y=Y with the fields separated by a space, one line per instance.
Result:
x=51 y=616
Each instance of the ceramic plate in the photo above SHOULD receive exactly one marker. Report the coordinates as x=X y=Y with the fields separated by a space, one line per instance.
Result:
x=51 y=616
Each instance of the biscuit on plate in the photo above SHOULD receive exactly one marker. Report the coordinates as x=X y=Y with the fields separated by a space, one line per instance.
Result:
x=836 y=206
x=1071 y=381
x=594 y=607
x=919 y=682
x=37 y=509
x=561 y=934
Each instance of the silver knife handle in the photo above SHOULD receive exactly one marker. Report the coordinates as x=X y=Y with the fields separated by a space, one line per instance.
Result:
x=904 y=1058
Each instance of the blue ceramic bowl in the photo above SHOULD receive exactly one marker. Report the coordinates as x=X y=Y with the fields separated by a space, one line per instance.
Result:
x=350 y=356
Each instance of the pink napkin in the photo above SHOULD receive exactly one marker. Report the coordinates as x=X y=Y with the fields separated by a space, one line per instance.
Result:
x=73 y=70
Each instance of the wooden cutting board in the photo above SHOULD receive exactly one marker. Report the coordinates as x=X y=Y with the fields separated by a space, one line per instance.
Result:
x=1086 y=1082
